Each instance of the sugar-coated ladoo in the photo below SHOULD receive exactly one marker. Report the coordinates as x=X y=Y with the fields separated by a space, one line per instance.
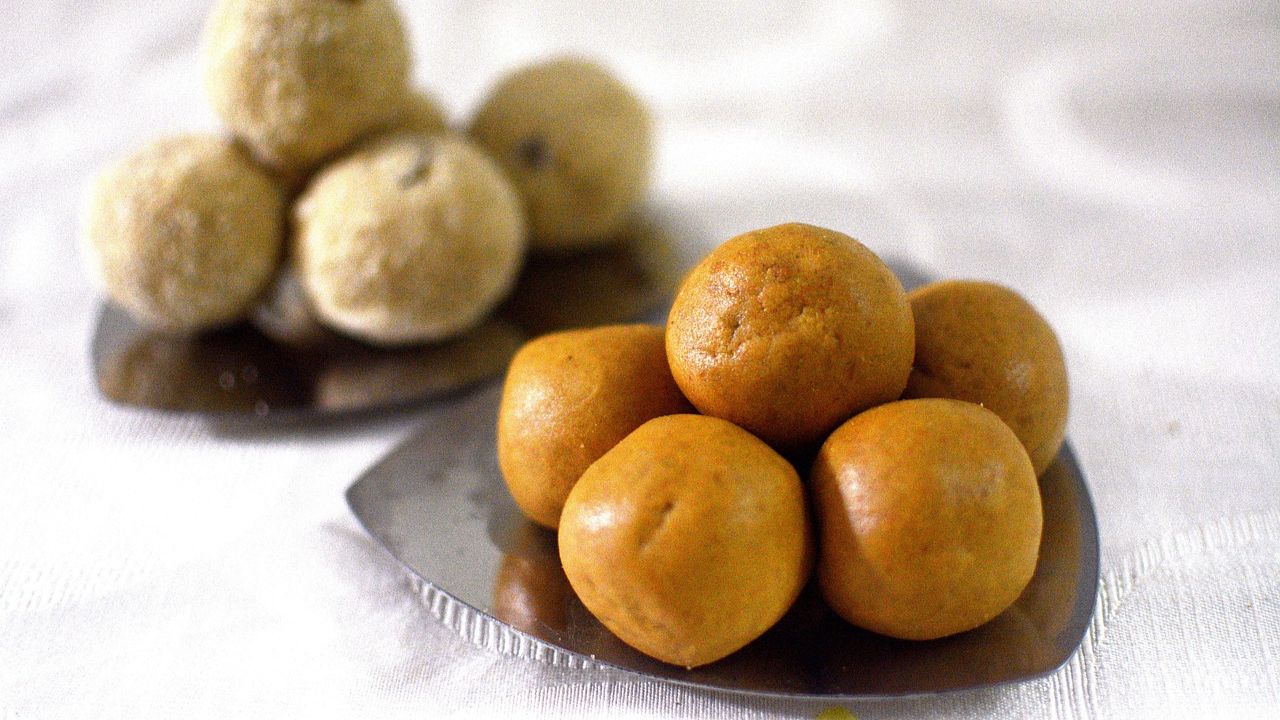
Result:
x=186 y=233
x=299 y=80
x=576 y=142
x=409 y=239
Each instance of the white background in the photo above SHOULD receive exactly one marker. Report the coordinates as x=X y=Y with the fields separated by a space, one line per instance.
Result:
x=1118 y=163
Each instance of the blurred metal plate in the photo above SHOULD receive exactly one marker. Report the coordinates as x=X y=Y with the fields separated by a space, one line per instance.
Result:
x=282 y=363
x=438 y=505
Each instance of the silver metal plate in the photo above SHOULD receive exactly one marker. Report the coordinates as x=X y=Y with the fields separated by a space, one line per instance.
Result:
x=438 y=505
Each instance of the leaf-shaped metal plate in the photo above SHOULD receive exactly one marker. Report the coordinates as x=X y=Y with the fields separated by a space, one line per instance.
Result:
x=438 y=504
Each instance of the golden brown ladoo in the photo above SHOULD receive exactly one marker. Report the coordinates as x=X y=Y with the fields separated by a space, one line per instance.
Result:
x=688 y=539
x=984 y=343
x=571 y=396
x=929 y=518
x=789 y=331
x=576 y=143
x=298 y=80
x=186 y=232
x=409 y=239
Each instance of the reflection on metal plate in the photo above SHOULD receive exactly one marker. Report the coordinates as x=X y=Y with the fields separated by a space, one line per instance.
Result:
x=282 y=363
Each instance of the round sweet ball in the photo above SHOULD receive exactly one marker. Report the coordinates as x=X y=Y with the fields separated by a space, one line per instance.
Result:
x=984 y=343
x=420 y=113
x=929 y=518
x=688 y=539
x=577 y=144
x=186 y=232
x=789 y=331
x=298 y=80
x=569 y=398
x=410 y=239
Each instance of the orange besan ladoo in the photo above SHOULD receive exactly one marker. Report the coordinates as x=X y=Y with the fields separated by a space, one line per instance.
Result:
x=789 y=331
x=688 y=539
x=929 y=518
x=571 y=396
x=984 y=343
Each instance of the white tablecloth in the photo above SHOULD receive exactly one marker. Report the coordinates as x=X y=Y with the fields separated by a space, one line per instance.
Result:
x=1119 y=163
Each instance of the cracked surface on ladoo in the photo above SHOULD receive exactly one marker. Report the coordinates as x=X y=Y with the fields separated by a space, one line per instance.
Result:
x=788 y=331
x=298 y=80
x=688 y=539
